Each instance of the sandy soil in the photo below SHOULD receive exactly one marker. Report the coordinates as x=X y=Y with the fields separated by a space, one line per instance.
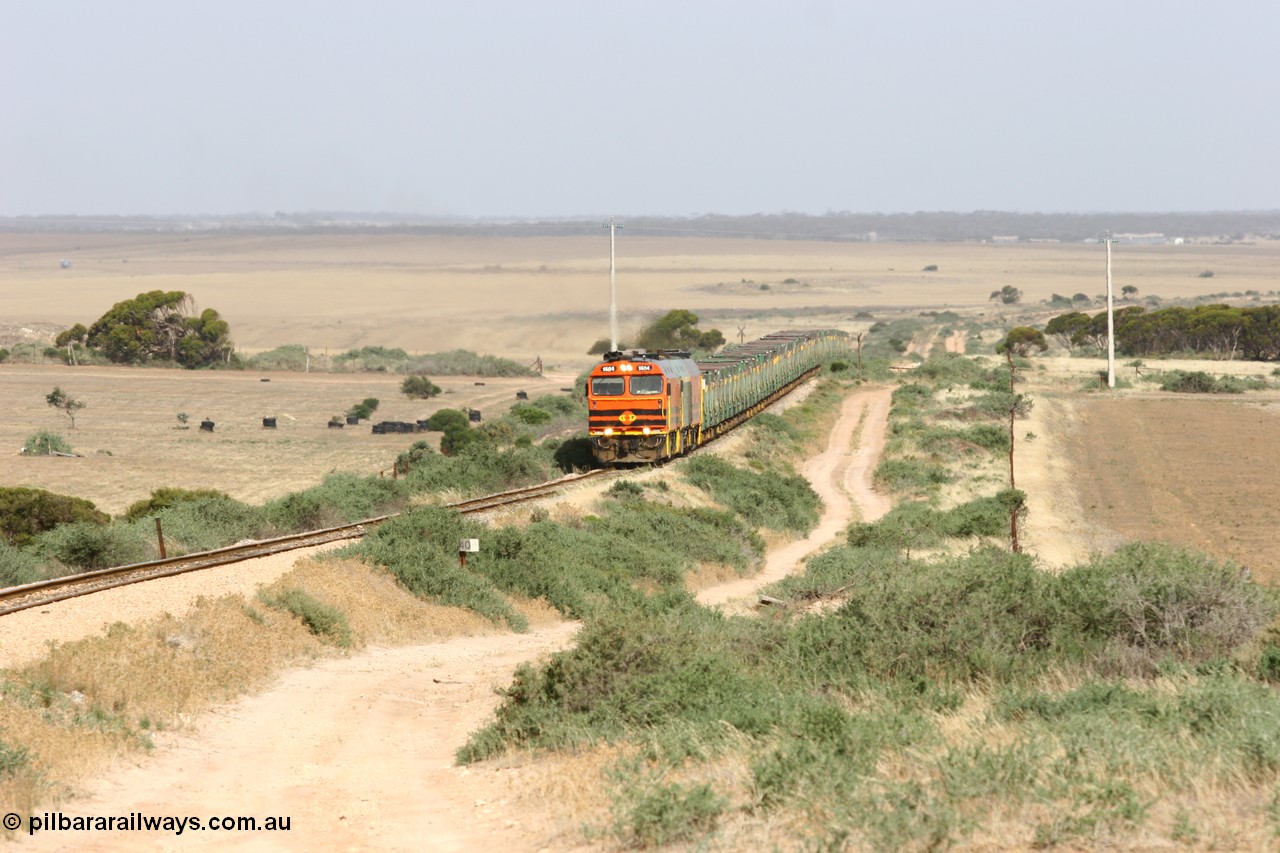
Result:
x=25 y=635
x=359 y=751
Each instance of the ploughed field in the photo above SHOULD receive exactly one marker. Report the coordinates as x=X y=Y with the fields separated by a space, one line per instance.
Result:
x=1196 y=472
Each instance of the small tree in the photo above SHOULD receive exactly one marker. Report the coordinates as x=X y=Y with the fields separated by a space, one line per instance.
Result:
x=419 y=387
x=183 y=417
x=1008 y=294
x=1021 y=340
x=65 y=403
x=1129 y=291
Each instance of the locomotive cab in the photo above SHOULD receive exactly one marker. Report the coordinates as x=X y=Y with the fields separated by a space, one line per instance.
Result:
x=643 y=407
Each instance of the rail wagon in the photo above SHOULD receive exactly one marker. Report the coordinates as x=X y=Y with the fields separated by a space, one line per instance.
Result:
x=650 y=406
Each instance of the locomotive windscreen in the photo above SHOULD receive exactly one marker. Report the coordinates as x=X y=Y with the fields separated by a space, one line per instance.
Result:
x=607 y=386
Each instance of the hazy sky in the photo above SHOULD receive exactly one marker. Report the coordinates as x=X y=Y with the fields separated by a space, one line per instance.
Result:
x=545 y=108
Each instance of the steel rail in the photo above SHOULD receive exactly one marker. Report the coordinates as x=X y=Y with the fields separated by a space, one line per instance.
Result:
x=14 y=599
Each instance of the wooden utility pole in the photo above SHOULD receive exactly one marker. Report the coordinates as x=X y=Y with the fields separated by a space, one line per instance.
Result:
x=1013 y=414
x=1111 y=321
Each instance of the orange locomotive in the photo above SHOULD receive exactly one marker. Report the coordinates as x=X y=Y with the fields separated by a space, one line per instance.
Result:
x=650 y=406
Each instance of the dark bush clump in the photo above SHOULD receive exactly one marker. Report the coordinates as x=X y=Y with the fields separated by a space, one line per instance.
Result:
x=168 y=496
x=25 y=513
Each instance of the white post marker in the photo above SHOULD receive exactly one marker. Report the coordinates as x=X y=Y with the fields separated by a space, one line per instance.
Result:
x=613 y=288
x=1111 y=321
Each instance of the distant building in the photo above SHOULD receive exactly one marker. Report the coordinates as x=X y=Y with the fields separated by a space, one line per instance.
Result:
x=1005 y=238
x=1141 y=239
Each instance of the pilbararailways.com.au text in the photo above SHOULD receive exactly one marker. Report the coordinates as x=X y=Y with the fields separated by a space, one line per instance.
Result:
x=139 y=822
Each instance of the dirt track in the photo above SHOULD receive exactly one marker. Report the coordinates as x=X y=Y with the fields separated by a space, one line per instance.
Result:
x=359 y=751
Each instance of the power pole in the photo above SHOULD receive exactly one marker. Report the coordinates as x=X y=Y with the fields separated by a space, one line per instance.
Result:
x=1111 y=321
x=613 y=288
x=1014 y=545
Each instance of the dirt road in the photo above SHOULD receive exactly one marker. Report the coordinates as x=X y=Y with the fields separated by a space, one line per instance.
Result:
x=841 y=475
x=358 y=752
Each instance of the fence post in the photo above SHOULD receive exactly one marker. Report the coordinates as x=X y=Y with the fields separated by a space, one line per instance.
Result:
x=160 y=539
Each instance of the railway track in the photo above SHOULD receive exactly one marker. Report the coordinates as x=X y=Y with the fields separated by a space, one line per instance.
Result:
x=41 y=593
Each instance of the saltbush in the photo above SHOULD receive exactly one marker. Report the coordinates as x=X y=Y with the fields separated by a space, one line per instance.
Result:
x=203 y=524
x=765 y=499
x=86 y=546
x=339 y=499
x=324 y=621
x=910 y=475
x=45 y=443
x=18 y=566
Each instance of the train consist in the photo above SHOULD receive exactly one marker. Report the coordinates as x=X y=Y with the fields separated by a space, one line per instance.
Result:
x=650 y=406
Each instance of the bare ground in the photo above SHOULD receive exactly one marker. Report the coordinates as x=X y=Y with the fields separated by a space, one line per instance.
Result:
x=1198 y=473
x=359 y=751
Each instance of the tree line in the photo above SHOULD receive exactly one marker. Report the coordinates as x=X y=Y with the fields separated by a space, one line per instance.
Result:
x=1218 y=330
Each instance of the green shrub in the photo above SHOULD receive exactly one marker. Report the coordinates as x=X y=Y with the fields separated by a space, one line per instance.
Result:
x=18 y=566
x=419 y=387
x=659 y=815
x=364 y=409
x=25 y=513
x=420 y=548
x=1148 y=602
x=1269 y=663
x=910 y=475
x=417 y=452
x=325 y=622
x=86 y=545
x=1199 y=382
x=168 y=496
x=764 y=499
x=286 y=357
x=13 y=760
x=45 y=443
x=951 y=440
x=530 y=415
x=340 y=499
x=624 y=489
x=211 y=522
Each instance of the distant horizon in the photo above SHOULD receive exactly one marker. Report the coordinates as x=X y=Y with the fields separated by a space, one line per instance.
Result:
x=584 y=217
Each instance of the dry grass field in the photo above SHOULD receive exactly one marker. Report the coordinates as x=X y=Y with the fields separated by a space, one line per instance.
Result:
x=130 y=437
x=519 y=298
x=510 y=297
